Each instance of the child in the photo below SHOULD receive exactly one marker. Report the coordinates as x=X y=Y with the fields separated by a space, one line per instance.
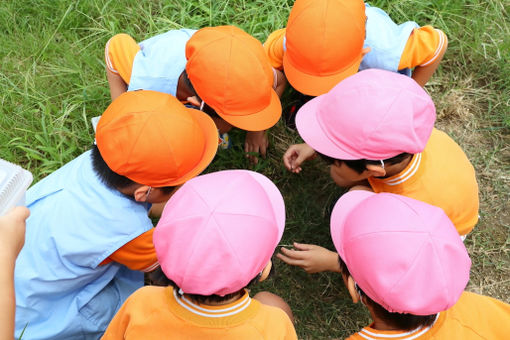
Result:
x=223 y=67
x=89 y=237
x=328 y=40
x=376 y=128
x=12 y=232
x=404 y=261
x=210 y=252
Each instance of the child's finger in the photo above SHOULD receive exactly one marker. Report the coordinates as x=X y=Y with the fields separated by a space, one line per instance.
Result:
x=263 y=150
x=290 y=261
x=303 y=246
x=287 y=160
x=294 y=254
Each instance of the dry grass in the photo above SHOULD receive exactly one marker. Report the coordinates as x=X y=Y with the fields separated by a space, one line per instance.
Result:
x=464 y=113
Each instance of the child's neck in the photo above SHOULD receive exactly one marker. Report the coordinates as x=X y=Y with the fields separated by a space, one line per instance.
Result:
x=394 y=169
x=220 y=303
x=183 y=91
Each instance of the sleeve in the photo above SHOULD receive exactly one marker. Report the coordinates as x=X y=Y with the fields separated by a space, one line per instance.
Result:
x=424 y=46
x=138 y=254
x=274 y=48
x=119 y=54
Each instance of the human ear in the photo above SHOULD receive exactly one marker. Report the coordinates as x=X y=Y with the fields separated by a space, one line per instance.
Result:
x=193 y=101
x=351 y=287
x=376 y=170
x=140 y=194
x=365 y=51
x=265 y=272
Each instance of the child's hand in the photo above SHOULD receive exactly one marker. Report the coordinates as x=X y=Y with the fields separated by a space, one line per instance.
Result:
x=256 y=141
x=12 y=231
x=312 y=258
x=295 y=156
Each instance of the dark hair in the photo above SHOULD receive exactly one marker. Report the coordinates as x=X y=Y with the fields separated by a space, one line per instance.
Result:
x=206 y=109
x=360 y=165
x=158 y=278
x=112 y=179
x=401 y=321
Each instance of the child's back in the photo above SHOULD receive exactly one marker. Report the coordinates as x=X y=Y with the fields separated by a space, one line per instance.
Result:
x=89 y=236
x=403 y=259
x=209 y=254
x=440 y=175
x=160 y=313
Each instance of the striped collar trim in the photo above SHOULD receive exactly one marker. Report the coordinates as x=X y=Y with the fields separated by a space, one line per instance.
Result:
x=366 y=334
x=213 y=311
x=406 y=174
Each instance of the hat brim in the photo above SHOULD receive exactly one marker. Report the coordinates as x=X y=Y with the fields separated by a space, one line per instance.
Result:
x=258 y=121
x=316 y=85
x=313 y=134
x=341 y=211
x=210 y=132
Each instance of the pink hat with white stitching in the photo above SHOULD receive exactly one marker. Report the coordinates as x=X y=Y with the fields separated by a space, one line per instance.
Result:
x=405 y=254
x=219 y=230
x=374 y=114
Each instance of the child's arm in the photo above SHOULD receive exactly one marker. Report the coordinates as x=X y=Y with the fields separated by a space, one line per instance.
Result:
x=424 y=51
x=117 y=85
x=422 y=74
x=273 y=46
x=138 y=254
x=120 y=52
x=12 y=236
x=256 y=141
x=312 y=258
x=295 y=156
x=281 y=82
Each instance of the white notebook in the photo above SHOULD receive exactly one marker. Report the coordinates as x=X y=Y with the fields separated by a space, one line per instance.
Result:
x=14 y=181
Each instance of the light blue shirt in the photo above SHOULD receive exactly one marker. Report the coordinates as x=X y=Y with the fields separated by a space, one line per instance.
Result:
x=386 y=40
x=76 y=222
x=160 y=62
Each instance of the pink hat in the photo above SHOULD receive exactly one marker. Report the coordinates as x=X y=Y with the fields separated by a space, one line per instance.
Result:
x=219 y=230
x=373 y=115
x=406 y=255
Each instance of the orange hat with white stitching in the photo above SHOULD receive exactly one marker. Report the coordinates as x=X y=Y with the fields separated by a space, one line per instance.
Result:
x=323 y=43
x=153 y=139
x=231 y=73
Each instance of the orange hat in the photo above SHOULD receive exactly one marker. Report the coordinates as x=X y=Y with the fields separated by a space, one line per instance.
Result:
x=152 y=139
x=231 y=73
x=324 y=43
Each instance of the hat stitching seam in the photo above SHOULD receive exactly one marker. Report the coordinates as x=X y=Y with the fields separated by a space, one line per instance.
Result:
x=391 y=289
x=376 y=128
x=134 y=144
x=195 y=241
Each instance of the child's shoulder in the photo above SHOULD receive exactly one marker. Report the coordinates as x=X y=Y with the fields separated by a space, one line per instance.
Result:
x=273 y=321
x=441 y=142
x=149 y=294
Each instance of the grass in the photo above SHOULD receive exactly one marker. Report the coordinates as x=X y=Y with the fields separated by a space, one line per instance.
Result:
x=52 y=82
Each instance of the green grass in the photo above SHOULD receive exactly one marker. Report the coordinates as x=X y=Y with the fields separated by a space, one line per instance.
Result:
x=52 y=82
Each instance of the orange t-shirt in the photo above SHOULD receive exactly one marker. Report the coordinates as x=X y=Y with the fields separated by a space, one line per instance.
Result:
x=441 y=175
x=423 y=47
x=473 y=317
x=159 y=313
x=138 y=254
x=119 y=53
